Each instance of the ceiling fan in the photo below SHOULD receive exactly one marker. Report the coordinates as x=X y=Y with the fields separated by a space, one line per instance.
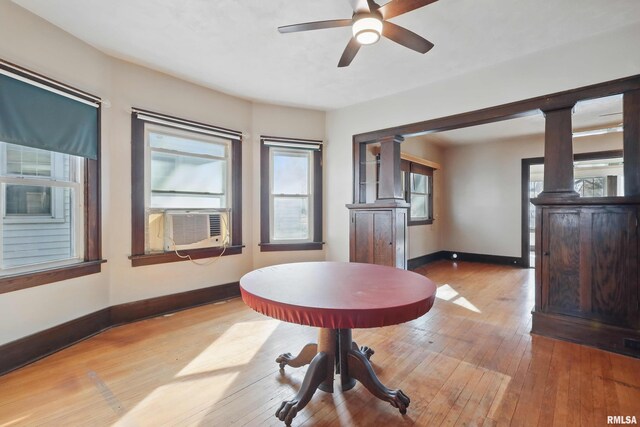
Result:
x=368 y=23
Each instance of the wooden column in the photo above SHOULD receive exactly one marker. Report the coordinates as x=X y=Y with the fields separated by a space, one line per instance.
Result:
x=558 y=154
x=390 y=185
x=631 y=144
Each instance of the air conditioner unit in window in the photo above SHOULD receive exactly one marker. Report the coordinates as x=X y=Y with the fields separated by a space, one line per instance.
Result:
x=192 y=230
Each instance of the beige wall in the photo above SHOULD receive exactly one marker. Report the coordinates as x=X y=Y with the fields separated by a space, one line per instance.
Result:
x=31 y=42
x=285 y=122
x=601 y=58
x=427 y=239
x=483 y=190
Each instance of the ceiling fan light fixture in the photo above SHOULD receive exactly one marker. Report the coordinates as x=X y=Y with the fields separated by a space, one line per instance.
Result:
x=367 y=29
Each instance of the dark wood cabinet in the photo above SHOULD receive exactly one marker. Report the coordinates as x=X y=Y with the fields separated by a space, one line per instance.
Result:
x=378 y=234
x=587 y=287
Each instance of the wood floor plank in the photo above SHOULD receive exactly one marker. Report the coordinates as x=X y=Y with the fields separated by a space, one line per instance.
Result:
x=470 y=361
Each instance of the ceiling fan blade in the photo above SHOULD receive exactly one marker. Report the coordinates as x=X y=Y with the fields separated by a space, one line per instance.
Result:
x=359 y=5
x=406 y=38
x=398 y=7
x=349 y=53
x=318 y=25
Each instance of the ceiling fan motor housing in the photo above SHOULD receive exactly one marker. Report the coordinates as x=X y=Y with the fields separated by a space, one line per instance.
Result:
x=367 y=27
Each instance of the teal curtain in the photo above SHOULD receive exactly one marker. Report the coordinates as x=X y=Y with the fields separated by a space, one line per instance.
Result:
x=38 y=118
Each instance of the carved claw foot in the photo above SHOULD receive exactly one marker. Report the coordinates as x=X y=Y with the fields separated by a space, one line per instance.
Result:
x=316 y=374
x=303 y=358
x=361 y=370
x=366 y=351
x=288 y=410
x=284 y=359
x=399 y=400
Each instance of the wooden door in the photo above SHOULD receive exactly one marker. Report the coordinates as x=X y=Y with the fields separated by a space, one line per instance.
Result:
x=383 y=253
x=372 y=237
x=611 y=265
x=590 y=263
x=561 y=261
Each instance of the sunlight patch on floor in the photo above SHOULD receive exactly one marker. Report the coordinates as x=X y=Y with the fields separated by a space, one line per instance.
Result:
x=205 y=379
x=235 y=347
x=447 y=293
x=17 y=421
x=465 y=303
x=188 y=396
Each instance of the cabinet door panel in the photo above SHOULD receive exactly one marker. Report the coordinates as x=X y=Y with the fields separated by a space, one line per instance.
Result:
x=363 y=237
x=563 y=258
x=383 y=239
x=613 y=265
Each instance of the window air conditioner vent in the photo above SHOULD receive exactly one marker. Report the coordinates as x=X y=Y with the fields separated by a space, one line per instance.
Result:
x=215 y=225
x=192 y=230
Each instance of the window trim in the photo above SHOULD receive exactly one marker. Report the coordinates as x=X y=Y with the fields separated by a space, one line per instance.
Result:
x=409 y=167
x=91 y=264
x=138 y=257
x=316 y=243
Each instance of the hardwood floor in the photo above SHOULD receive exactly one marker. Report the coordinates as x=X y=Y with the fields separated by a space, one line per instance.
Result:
x=470 y=361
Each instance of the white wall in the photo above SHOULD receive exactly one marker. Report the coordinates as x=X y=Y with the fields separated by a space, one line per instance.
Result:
x=605 y=57
x=427 y=239
x=33 y=43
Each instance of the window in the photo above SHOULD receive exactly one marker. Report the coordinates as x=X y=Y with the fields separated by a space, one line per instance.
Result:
x=590 y=187
x=186 y=190
x=49 y=183
x=291 y=194
x=42 y=197
x=418 y=189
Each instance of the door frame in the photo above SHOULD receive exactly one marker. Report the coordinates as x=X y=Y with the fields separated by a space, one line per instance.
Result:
x=526 y=173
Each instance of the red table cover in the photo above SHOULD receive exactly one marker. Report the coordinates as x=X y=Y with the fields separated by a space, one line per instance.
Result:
x=338 y=295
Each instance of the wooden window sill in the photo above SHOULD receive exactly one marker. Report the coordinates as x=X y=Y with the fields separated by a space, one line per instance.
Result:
x=276 y=247
x=42 y=277
x=420 y=222
x=164 y=257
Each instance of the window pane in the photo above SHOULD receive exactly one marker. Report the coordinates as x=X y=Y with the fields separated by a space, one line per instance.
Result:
x=33 y=162
x=28 y=200
x=188 y=145
x=39 y=226
x=598 y=187
x=187 y=201
x=419 y=208
x=418 y=183
x=291 y=172
x=182 y=173
x=28 y=161
x=290 y=218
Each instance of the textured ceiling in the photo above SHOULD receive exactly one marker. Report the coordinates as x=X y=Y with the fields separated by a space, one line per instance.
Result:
x=233 y=45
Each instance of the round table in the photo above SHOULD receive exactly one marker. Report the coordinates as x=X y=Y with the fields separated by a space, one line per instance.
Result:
x=337 y=297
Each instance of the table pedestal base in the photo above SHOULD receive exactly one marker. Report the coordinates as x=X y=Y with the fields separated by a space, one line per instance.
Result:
x=335 y=352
